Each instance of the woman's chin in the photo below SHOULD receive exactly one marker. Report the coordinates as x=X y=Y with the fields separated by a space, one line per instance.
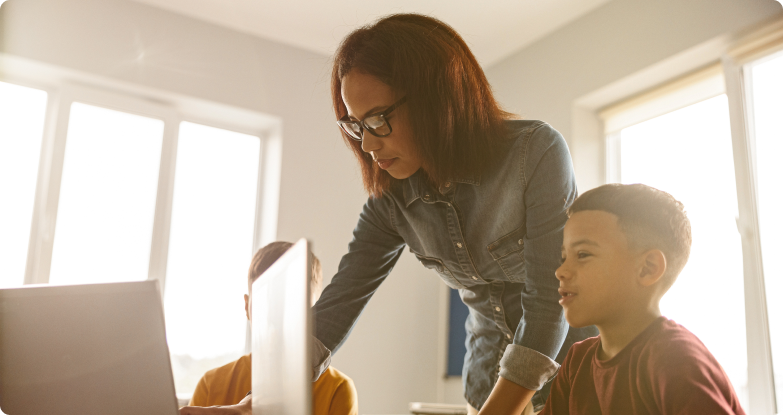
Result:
x=400 y=174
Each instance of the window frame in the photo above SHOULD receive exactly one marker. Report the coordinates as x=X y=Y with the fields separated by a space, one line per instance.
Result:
x=734 y=62
x=64 y=87
x=737 y=62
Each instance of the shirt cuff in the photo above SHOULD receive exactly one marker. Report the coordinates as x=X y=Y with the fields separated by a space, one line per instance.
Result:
x=321 y=358
x=527 y=367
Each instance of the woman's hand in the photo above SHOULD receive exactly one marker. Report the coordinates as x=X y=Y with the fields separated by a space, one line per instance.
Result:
x=244 y=407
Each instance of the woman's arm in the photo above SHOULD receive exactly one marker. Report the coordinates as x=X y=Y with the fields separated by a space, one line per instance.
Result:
x=550 y=187
x=375 y=248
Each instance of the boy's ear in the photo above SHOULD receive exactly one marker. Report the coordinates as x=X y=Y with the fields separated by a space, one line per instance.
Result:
x=653 y=267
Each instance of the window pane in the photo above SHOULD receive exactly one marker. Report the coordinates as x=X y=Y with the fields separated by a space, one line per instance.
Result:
x=22 y=113
x=688 y=153
x=212 y=226
x=107 y=197
x=768 y=107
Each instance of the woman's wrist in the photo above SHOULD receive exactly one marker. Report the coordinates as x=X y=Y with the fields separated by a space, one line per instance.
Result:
x=506 y=398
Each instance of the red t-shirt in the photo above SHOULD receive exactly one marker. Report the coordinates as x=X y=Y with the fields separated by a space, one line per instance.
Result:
x=664 y=370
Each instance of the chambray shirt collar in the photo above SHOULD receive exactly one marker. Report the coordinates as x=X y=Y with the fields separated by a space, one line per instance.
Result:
x=416 y=186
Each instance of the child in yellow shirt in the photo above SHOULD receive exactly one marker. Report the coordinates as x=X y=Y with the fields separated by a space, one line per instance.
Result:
x=333 y=393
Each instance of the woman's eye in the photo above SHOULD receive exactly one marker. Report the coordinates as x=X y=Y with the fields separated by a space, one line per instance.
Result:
x=374 y=122
x=582 y=255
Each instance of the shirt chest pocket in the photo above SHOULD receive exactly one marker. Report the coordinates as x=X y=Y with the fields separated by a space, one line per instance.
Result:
x=508 y=253
x=437 y=265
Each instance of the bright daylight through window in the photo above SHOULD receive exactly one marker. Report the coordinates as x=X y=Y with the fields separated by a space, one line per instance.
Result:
x=22 y=112
x=107 y=197
x=688 y=153
x=128 y=191
x=210 y=249
x=767 y=104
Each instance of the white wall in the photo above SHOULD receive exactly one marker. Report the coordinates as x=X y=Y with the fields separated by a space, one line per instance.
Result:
x=621 y=47
x=392 y=353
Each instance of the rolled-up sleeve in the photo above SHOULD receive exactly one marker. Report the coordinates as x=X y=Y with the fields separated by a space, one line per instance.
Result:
x=372 y=253
x=550 y=187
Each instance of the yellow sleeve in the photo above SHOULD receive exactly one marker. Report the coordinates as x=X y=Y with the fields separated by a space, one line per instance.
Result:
x=345 y=401
x=201 y=394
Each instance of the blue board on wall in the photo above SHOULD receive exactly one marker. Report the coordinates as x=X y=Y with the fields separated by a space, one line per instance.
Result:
x=458 y=313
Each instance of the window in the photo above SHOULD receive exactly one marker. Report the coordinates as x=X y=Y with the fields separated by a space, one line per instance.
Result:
x=688 y=152
x=725 y=124
x=210 y=249
x=131 y=189
x=107 y=197
x=766 y=80
x=22 y=113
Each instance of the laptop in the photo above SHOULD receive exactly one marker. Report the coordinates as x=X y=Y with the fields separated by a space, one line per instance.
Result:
x=281 y=330
x=92 y=349
x=100 y=349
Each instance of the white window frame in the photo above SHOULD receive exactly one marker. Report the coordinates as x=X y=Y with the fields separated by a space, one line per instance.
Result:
x=702 y=84
x=64 y=87
x=733 y=60
x=736 y=63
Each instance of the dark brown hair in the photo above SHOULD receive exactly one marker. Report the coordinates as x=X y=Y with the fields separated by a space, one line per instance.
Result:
x=266 y=256
x=454 y=117
x=650 y=219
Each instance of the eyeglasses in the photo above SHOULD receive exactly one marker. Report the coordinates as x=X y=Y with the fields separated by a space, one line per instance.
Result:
x=376 y=124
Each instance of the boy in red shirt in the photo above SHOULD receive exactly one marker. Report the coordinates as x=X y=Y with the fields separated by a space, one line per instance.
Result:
x=623 y=247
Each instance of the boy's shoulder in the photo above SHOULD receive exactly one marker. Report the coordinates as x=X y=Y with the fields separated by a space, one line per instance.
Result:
x=239 y=367
x=334 y=377
x=671 y=344
x=684 y=374
x=336 y=392
x=584 y=349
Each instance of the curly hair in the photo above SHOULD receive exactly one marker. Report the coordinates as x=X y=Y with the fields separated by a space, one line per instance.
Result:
x=650 y=219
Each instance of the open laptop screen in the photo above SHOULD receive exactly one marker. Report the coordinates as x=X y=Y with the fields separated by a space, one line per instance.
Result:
x=280 y=313
x=84 y=349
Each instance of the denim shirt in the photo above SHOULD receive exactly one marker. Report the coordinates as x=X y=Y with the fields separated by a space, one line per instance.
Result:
x=495 y=237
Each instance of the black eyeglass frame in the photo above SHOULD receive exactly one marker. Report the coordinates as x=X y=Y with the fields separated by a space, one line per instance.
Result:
x=364 y=127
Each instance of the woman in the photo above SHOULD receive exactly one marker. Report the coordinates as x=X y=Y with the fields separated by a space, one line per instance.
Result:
x=478 y=198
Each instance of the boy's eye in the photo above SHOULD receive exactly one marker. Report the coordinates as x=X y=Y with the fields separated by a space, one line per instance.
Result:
x=582 y=255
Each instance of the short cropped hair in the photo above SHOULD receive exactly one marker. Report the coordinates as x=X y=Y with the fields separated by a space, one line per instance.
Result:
x=266 y=256
x=454 y=117
x=650 y=219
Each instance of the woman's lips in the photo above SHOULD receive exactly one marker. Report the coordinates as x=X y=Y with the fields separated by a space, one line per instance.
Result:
x=385 y=163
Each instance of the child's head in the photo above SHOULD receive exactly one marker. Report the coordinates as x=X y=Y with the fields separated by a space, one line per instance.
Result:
x=623 y=247
x=267 y=256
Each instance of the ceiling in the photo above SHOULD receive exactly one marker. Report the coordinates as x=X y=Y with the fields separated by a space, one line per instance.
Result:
x=494 y=29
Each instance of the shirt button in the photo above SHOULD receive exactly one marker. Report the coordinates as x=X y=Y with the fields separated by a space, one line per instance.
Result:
x=497 y=308
x=474 y=277
x=459 y=244
x=426 y=197
x=448 y=184
x=520 y=242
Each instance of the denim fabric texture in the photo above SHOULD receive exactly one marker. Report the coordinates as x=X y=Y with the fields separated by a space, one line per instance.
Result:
x=496 y=238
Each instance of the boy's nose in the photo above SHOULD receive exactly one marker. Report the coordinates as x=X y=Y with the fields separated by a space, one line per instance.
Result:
x=561 y=272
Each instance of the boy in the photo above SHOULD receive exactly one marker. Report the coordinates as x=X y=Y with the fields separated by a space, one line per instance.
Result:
x=623 y=247
x=333 y=392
